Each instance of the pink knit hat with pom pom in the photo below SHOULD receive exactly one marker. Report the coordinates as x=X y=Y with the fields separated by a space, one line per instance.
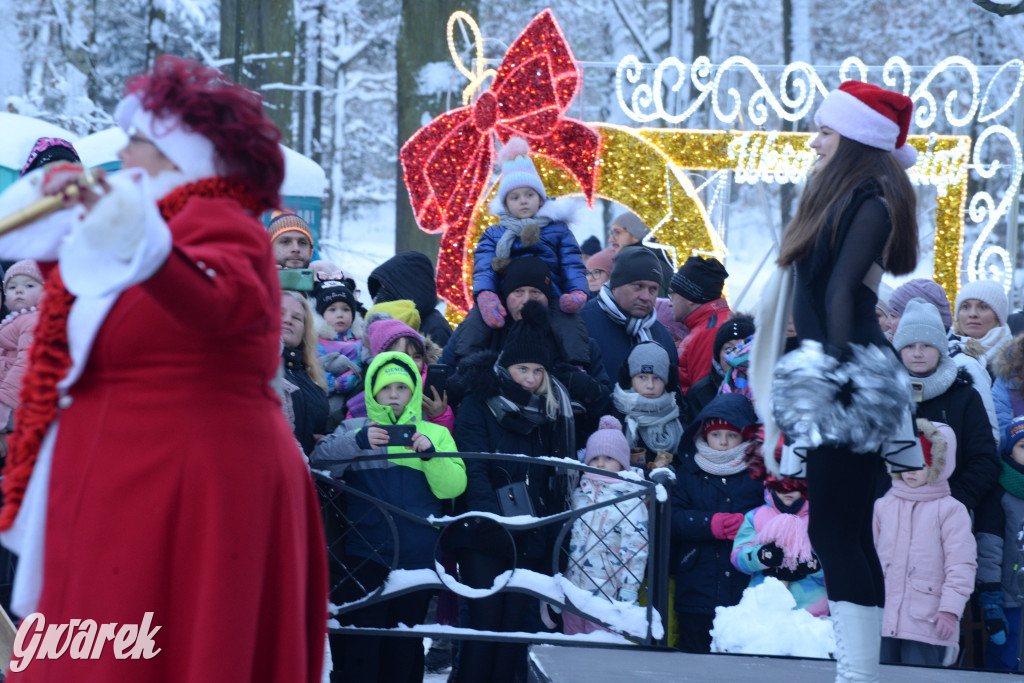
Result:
x=517 y=170
x=608 y=440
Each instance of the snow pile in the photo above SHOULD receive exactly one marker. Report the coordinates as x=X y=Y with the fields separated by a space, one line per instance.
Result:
x=766 y=623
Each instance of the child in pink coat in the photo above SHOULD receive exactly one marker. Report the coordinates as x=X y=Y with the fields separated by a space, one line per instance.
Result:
x=928 y=555
x=23 y=287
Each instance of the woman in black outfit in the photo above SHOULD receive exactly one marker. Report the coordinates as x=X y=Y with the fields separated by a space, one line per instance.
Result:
x=856 y=219
x=517 y=407
x=302 y=369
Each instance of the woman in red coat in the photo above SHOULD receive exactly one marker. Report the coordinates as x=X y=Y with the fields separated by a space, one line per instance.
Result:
x=161 y=475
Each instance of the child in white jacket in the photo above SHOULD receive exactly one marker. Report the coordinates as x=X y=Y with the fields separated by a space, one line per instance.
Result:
x=608 y=551
x=928 y=555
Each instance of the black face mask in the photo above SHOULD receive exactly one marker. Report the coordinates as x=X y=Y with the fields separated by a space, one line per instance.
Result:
x=788 y=509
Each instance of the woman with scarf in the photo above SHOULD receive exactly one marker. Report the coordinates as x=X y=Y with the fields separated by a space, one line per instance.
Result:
x=645 y=400
x=517 y=407
x=855 y=220
x=152 y=476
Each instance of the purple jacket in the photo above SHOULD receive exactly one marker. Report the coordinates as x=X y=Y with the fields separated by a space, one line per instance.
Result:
x=928 y=553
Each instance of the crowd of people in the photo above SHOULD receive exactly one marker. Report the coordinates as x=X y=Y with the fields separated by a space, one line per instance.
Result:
x=602 y=355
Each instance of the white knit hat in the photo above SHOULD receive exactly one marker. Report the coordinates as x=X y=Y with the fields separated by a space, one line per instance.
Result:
x=872 y=116
x=517 y=170
x=989 y=291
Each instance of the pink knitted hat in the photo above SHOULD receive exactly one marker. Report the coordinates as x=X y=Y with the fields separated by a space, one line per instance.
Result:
x=25 y=267
x=381 y=334
x=608 y=440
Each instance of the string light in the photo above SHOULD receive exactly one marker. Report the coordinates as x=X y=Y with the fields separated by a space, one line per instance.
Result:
x=447 y=164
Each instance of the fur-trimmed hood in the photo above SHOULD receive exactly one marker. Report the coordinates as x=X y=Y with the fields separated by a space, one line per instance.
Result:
x=943 y=449
x=564 y=210
x=476 y=374
x=325 y=331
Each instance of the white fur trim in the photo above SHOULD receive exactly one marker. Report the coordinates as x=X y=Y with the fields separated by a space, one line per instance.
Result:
x=906 y=155
x=771 y=321
x=190 y=151
x=114 y=225
x=852 y=118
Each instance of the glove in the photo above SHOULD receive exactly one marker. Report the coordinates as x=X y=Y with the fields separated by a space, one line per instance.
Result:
x=812 y=565
x=581 y=386
x=991 y=603
x=770 y=555
x=945 y=625
x=725 y=525
x=337 y=363
x=491 y=309
x=572 y=302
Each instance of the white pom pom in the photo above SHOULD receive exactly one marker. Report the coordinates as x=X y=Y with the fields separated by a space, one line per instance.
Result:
x=515 y=147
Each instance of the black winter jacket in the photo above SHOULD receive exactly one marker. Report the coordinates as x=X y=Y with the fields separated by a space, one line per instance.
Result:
x=977 y=463
x=705 y=576
x=477 y=430
x=410 y=275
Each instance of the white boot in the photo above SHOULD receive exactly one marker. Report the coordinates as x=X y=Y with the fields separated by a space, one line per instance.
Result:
x=858 y=641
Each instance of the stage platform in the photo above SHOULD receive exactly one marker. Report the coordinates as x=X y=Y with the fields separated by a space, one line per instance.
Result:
x=558 y=664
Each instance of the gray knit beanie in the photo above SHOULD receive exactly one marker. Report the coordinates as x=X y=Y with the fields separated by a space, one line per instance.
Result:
x=649 y=358
x=921 y=323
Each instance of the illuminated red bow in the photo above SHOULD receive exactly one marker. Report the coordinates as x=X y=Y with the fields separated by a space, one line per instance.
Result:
x=447 y=164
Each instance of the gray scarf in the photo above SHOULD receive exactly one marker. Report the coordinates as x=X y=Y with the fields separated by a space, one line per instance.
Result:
x=655 y=420
x=513 y=229
x=939 y=381
x=637 y=328
x=721 y=463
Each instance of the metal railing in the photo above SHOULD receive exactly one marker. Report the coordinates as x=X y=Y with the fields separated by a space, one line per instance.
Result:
x=644 y=624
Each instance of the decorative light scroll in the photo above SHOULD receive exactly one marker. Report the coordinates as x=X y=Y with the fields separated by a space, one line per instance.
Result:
x=643 y=92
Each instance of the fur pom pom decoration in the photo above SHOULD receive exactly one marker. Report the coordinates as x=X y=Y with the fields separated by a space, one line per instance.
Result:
x=789 y=532
x=817 y=400
x=515 y=147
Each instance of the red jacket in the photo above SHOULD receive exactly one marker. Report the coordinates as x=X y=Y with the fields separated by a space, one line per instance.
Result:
x=177 y=486
x=698 y=346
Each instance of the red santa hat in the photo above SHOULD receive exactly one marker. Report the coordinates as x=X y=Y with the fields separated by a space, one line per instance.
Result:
x=872 y=116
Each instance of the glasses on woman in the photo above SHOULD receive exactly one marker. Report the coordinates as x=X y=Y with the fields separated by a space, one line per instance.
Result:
x=595 y=273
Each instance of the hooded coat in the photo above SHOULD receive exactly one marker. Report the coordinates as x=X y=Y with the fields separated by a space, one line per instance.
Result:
x=557 y=247
x=928 y=553
x=705 y=575
x=417 y=484
x=410 y=275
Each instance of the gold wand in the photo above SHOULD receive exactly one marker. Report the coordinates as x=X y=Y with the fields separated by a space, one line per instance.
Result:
x=45 y=206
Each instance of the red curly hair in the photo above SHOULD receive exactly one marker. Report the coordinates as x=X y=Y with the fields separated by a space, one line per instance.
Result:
x=227 y=114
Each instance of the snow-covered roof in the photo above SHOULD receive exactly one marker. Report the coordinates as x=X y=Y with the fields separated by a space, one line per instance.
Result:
x=303 y=177
x=21 y=132
x=102 y=147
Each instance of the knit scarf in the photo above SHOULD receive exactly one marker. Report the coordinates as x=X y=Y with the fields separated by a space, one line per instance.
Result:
x=1012 y=479
x=923 y=493
x=939 y=381
x=735 y=377
x=655 y=420
x=50 y=358
x=637 y=328
x=513 y=229
x=721 y=463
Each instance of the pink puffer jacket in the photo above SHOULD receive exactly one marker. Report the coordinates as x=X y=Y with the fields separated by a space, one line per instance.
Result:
x=928 y=553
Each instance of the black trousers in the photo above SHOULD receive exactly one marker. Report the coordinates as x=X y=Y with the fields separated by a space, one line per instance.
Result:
x=489 y=661
x=372 y=659
x=841 y=490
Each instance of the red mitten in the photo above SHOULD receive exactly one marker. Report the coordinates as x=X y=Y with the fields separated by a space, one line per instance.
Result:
x=491 y=309
x=572 y=302
x=725 y=525
x=945 y=625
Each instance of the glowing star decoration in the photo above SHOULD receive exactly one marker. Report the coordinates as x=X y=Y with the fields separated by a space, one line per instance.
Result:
x=447 y=164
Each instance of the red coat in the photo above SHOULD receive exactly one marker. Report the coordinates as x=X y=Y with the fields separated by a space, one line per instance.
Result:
x=177 y=487
x=698 y=346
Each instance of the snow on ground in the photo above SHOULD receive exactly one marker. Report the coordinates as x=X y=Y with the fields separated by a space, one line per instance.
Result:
x=765 y=623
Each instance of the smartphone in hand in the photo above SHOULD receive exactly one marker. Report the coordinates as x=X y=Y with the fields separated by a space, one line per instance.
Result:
x=399 y=435
x=437 y=377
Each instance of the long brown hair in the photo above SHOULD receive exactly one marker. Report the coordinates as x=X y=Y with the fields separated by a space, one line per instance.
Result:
x=830 y=191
